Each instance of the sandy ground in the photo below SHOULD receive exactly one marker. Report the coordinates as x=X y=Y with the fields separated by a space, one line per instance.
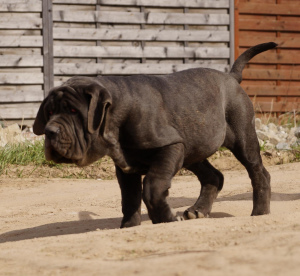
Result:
x=71 y=227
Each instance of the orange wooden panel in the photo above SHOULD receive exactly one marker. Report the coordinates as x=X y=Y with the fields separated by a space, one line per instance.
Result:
x=261 y=66
x=283 y=42
x=259 y=1
x=259 y=90
x=268 y=25
x=278 y=58
x=290 y=83
x=276 y=9
x=258 y=82
x=272 y=74
x=271 y=79
x=249 y=33
x=258 y=17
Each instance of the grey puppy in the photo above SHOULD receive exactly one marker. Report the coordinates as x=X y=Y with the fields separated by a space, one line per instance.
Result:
x=154 y=126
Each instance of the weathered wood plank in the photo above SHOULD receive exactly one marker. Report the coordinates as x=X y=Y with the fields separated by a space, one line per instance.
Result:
x=153 y=3
x=274 y=9
x=21 y=78
x=21 y=5
x=21 y=41
x=128 y=69
x=144 y=35
x=258 y=90
x=17 y=111
x=268 y=25
x=139 y=52
x=47 y=46
x=140 y=18
x=283 y=42
x=76 y=2
x=192 y=19
x=21 y=61
x=21 y=96
x=271 y=74
x=17 y=21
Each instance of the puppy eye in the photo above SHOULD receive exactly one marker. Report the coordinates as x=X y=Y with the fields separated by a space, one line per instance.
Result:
x=73 y=110
x=50 y=113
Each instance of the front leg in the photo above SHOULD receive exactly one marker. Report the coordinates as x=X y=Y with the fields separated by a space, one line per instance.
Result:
x=131 y=191
x=157 y=182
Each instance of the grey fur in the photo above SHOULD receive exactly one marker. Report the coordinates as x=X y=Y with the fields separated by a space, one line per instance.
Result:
x=154 y=126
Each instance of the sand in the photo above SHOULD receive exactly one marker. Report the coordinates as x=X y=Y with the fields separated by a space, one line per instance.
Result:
x=71 y=227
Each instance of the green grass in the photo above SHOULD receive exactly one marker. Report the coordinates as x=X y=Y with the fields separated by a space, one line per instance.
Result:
x=23 y=154
x=296 y=152
x=32 y=154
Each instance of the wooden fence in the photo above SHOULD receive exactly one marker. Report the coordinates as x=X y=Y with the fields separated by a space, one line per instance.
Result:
x=43 y=43
x=272 y=79
x=21 y=61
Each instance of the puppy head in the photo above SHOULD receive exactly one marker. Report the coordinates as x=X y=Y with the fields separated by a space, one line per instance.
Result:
x=72 y=118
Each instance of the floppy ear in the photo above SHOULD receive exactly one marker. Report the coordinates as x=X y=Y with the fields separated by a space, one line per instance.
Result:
x=100 y=101
x=40 y=120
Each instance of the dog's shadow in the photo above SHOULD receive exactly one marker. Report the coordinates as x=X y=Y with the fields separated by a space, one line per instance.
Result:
x=60 y=228
x=86 y=223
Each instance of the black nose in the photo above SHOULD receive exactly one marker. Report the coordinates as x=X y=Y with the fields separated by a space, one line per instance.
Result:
x=51 y=131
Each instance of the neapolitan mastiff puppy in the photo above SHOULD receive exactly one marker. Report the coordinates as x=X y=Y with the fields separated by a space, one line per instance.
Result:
x=154 y=126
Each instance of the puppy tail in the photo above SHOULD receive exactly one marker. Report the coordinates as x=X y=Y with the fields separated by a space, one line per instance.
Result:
x=242 y=60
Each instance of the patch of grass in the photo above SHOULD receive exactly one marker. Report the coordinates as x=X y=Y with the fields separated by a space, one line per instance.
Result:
x=288 y=119
x=23 y=154
x=14 y=159
x=262 y=147
x=296 y=152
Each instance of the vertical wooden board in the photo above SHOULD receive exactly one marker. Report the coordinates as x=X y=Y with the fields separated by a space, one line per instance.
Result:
x=48 y=46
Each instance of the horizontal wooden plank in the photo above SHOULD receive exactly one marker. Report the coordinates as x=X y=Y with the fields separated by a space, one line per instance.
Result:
x=17 y=111
x=268 y=25
x=274 y=9
x=20 y=21
x=140 y=18
x=258 y=90
x=283 y=42
x=21 y=96
x=275 y=58
x=21 y=5
x=21 y=78
x=142 y=35
x=276 y=106
x=127 y=69
x=153 y=3
x=21 y=61
x=21 y=41
x=139 y=52
x=21 y=122
x=271 y=74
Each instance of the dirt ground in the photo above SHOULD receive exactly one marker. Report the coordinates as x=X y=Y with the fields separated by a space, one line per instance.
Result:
x=71 y=227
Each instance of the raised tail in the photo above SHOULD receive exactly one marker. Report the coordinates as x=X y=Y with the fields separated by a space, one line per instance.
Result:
x=242 y=60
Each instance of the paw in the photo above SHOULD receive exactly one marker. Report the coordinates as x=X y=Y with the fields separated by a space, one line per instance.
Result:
x=177 y=217
x=188 y=214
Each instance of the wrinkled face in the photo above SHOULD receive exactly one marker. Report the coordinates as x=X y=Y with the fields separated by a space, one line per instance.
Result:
x=70 y=118
x=66 y=114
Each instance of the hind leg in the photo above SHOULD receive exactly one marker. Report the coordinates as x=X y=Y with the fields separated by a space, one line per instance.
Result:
x=211 y=183
x=249 y=156
x=242 y=141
